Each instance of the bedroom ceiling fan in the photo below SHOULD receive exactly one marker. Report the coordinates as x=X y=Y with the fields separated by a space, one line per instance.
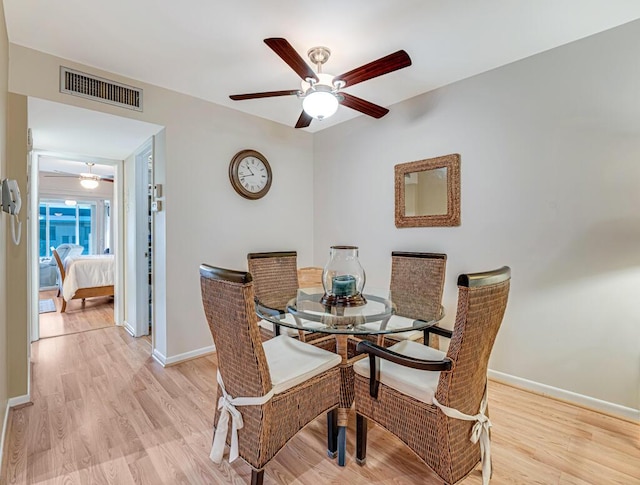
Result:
x=321 y=93
x=88 y=180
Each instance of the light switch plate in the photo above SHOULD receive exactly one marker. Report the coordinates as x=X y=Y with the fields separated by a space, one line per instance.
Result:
x=157 y=191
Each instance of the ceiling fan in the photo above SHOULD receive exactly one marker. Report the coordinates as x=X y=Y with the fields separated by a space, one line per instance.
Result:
x=88 y=180
x=321 y=93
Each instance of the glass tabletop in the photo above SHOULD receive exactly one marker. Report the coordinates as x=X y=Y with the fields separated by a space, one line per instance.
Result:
x=305 y=312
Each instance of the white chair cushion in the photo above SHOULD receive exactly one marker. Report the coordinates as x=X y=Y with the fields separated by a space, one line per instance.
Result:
x=292 y=362
x=283 y=330
x=291 y=332
x=419 y=384
x=397 y=321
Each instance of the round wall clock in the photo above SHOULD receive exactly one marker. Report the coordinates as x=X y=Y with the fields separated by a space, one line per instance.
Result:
x=250 y=174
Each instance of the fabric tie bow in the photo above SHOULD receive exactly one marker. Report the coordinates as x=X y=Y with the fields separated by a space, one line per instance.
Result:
x=479 y=432
x=227 y=406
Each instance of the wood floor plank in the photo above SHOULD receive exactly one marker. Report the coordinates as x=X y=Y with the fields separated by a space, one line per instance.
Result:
x=143 y=471
x=105 y=412
x=95 y=313
x=38 y=434
x=17 y=447
x=117 y=471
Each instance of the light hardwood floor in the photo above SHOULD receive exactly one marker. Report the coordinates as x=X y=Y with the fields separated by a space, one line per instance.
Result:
x=105 y=412
x=94 y=313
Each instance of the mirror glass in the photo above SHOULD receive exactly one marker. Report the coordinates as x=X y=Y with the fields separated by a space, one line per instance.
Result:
x=425 y=193
x=428 y=192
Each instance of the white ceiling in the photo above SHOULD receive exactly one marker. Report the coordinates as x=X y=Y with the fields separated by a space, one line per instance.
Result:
x=62 y=166
x=211 y=49
x=64 y=129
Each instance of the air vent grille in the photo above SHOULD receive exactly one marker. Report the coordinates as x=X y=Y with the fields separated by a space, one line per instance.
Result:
x=93 y=87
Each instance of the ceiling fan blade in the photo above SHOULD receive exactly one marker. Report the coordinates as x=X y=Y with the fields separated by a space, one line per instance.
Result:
x=289 y=55
x=304 y=120
x=266 y=94
x=362 y=105
x=384 y=65
x=106 y=180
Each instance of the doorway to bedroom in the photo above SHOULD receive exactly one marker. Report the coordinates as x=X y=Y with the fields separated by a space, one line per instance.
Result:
x=75 y=241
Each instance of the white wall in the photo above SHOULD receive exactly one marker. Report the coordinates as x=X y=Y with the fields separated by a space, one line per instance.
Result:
x=160 y=249
x=550 y=166
x=203 y=218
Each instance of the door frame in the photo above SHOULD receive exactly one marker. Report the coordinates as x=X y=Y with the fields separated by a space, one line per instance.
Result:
x=33 y=229
x=142 y=259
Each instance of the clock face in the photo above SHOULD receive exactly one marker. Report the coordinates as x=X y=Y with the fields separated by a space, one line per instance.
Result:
x=250 y=174
x=253 y=174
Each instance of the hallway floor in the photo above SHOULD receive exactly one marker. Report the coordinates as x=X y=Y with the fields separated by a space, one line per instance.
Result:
x=78 y=317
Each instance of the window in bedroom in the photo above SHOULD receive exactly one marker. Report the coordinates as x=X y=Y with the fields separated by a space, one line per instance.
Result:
x=65 y=222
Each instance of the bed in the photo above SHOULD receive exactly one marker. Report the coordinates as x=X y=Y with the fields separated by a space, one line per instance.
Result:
x=85 y=276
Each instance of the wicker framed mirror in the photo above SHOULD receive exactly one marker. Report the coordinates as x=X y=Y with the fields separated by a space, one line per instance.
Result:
x=428 y=192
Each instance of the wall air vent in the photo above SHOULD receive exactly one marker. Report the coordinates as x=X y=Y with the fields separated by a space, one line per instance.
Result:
x=98 y=89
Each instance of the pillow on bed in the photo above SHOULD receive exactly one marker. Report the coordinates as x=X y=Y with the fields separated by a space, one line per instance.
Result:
x=65 y=250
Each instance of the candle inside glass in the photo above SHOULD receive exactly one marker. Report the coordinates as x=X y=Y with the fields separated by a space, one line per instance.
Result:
x=343 y=285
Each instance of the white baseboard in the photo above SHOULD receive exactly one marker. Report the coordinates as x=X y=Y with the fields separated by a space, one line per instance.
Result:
x=11 y=402
x=176 y=359
x=159 y=358
x=17 y=401
x=605 y=407
x=4 y=431
x=127 y=326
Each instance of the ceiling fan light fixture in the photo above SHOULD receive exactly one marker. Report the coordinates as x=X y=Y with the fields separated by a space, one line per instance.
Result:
x=320 y=92
x=320 y=102
x=89 y=181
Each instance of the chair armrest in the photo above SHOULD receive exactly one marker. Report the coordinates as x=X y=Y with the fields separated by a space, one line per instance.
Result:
x=266 y=309
x=376 y=351
x=271 y=311
x=443 y=332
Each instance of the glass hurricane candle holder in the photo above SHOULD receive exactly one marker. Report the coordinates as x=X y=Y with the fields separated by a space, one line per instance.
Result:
x=343 y=278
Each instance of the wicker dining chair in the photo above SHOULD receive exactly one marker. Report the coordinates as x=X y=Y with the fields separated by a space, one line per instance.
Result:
x=277 y=386
x=434 y=402
x=275 y=282
x=417 y=283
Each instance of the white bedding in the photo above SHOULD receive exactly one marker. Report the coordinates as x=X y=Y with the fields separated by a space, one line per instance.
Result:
x=87 y=271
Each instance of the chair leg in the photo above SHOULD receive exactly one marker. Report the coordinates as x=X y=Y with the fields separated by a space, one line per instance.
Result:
x=64 y=306
x=361 y=439
x=257 y=476
x=342 y=445
x=332 y=433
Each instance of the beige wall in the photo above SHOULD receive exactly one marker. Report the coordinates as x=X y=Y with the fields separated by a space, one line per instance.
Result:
x=17 y=255
x=4 y=361
x=550 y=151
x=203 y=219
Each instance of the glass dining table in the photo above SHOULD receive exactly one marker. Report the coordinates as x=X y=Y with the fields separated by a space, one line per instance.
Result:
x=339 y=329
